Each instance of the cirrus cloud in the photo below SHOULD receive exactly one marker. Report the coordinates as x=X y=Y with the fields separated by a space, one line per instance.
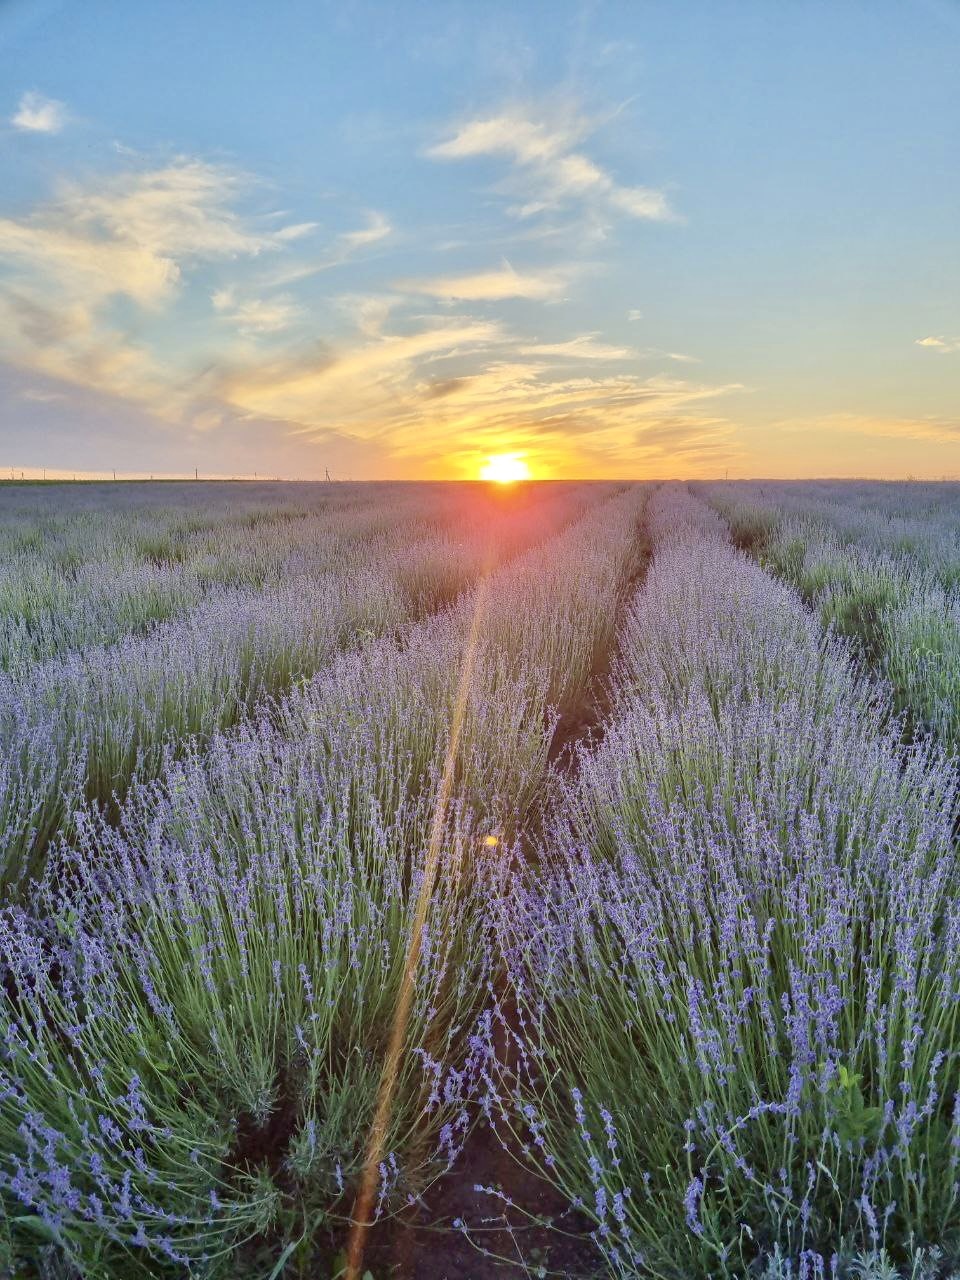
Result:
x=552 y=170
x=585 y=347
x=492 y=286
x=344 y=248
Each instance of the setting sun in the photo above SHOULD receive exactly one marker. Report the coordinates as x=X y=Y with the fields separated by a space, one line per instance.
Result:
x=505 y=468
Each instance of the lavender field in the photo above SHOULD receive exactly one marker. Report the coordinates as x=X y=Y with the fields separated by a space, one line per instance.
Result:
x=438 y=880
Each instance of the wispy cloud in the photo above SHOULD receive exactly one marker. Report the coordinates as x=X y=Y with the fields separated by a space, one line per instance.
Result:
x=553 y=168
x=945 y=346
x=345 y=247
x=583 y=348
x=132 y=236
x=134 y=233
x=182 y=212
x=490 y=286
x=368 y=312
x=681 y=357
x=325 y=387
x=37 y=114
x=378 y=228
x=586 y=347
x=498 y=392
x=253 y=316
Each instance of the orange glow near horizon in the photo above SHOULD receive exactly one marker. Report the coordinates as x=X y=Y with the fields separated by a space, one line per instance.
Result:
x=505 y=468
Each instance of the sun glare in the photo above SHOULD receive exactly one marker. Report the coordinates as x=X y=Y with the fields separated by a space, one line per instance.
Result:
x=505 y=468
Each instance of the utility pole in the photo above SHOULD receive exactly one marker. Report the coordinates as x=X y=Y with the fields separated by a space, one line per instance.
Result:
x=196 y=473
x=327 y=471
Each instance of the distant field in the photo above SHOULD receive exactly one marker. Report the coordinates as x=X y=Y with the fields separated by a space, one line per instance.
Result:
x=427 y=880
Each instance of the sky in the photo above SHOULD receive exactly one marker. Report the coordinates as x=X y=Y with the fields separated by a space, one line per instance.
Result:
x=393 y=240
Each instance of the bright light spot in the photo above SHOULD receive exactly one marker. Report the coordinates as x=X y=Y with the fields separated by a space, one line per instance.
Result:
x=505 y=468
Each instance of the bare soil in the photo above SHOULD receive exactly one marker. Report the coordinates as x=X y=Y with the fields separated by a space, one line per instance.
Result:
x=499 y=1243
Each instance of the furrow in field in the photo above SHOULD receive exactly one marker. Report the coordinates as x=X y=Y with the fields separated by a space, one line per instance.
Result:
x=487 y=1240
x=226 y=981
x=736 y=967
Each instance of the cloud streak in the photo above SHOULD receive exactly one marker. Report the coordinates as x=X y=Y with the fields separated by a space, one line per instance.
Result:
x=582 y=348
x=553 y=168
x=253 y=316
x=346 y=247
x=492 y=286
x=134 y=234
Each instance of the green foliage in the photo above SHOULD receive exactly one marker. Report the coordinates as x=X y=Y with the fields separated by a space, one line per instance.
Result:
x=854 y=1121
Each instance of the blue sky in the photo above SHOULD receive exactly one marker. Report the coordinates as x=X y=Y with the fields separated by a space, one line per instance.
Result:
x=391 y=240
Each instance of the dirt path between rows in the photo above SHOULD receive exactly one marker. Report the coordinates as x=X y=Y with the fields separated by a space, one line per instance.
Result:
x=499 y=1242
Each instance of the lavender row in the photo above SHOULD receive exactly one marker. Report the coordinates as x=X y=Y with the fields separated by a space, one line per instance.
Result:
x=737 y=969
x=73 y=575
x=196 y=1005
x=903 y=618
x=72 y=581
x=85 y=724
x=916 y=523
